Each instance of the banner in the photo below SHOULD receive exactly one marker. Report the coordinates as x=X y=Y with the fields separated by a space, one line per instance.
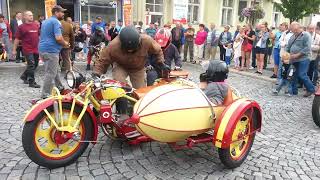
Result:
x=48 y=6
x=180 y=11
x=127 y=14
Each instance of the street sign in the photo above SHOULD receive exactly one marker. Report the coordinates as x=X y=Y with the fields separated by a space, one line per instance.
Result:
x=180 y=11
x=113 y=4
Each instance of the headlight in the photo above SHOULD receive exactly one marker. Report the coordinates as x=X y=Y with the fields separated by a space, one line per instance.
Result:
x=74 y=79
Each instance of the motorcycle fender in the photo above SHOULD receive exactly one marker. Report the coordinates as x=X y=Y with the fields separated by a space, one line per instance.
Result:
x=225 y=125
x=40 y=106
x=317 y=93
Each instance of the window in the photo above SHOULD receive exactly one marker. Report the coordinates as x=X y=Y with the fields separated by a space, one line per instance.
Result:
x=256 y=2
x=276 y=16
x=242 y=5
x=227 y=12
x=193 y=11
x=154 y=6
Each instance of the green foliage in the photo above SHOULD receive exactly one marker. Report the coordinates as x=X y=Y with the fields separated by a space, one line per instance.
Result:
x=297 y=9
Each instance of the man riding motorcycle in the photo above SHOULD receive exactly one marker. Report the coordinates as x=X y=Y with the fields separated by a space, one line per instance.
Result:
x=128 y=54
x=97 y=38
x=170 y=51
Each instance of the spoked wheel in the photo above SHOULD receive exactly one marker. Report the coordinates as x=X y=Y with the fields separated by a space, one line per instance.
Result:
x=48 y=147
x=238 y=151
x=316 y=110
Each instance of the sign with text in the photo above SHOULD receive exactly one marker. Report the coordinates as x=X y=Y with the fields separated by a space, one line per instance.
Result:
x=180 y=11
x=127 y=14
x=48 y=6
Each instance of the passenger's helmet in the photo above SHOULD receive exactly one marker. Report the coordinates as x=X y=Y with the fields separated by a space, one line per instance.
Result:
x=129 y=39
x=163 y=37
x=217 y=71
x=99 y=29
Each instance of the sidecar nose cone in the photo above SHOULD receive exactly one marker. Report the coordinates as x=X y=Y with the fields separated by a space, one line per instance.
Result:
x=135 y=119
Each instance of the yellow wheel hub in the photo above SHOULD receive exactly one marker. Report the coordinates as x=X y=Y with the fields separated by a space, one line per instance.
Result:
x=44 y=138
x=240 y=138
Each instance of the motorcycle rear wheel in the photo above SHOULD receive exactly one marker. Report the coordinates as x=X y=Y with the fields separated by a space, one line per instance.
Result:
x=238 y=151
x=316 y=110
x=40 y=147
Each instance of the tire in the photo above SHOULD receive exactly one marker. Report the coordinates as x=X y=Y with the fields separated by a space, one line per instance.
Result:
x=316 y=110
x=34 y=153
x=226 y=156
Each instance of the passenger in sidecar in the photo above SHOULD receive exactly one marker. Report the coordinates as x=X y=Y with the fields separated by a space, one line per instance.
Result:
x=213 y=83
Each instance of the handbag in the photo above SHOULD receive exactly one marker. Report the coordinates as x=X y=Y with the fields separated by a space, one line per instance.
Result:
x=78 y=47
x=286 y=55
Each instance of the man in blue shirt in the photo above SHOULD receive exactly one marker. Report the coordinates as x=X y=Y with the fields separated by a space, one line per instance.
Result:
x=51 y=42
x=99 y=23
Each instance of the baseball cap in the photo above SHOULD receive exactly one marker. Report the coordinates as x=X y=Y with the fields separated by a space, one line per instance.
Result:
x=58 y=8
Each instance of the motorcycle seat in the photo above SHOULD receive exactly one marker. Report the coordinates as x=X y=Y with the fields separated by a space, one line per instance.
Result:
x=181 y=74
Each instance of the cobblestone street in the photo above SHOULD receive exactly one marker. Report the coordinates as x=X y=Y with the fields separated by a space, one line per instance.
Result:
x=287 y=148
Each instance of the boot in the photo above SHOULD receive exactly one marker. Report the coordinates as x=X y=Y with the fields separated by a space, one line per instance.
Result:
x=24 y=79
x=33 y=84
x=88 y=67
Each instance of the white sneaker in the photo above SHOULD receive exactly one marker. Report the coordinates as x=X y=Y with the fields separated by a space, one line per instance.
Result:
x=251 y=67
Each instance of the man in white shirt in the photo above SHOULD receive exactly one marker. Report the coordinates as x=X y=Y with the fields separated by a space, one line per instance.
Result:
x=314 y=61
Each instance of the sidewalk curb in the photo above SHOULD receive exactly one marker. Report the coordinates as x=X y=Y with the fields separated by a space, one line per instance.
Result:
x=253 y=75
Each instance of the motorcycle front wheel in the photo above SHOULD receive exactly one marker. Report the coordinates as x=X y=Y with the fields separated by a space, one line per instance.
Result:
x=39 y=139
x=316 y=110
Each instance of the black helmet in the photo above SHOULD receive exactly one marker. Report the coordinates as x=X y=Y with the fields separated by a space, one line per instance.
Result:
x=99 y=29
x=129 y=38
x=217 y=71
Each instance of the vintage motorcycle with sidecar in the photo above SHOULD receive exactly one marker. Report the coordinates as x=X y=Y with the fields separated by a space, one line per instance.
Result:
x=57 y=130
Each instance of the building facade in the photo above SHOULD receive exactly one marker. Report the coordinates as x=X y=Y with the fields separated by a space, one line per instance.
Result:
x=79 y=10
x=219 y=12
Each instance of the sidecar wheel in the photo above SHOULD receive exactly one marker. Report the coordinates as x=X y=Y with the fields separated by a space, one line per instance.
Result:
x=316 y=110
x=238 y=151
x=39 y=143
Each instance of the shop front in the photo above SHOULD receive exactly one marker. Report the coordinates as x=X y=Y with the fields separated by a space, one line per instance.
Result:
x=79 y=10
x=109 y=10
x=36 y=6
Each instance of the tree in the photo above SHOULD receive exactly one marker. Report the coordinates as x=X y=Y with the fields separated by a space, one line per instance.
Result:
x=297 y=9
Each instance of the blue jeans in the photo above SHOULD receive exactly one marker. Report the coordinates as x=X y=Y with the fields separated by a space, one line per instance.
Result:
x=152 y=76
x=284 y=83
x=228 y=59
x=276 y=56
x=301 y=74
x=279 y=75
x=313 y=70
